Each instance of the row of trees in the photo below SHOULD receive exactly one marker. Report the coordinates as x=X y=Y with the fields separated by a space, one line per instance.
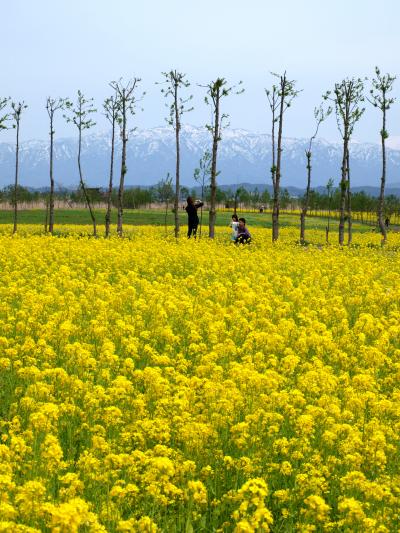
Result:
x=345 y=101
x=136 y=197
x=117 y=109
x=163 y=193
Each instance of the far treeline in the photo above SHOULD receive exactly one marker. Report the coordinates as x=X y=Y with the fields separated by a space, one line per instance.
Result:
x=320 y=203
x=345 y=101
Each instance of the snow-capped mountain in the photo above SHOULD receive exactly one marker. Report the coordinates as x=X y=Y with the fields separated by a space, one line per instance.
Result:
x=243 y=157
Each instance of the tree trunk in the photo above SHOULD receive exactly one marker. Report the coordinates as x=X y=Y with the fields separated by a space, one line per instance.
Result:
x=177 y=186
x=110 y=184
x=16 y=180
x=349 y=215
x=212 y=212
x=275 y=207
x=51 y=199
x=306 y=200
x=329 y=219
x=87 y=199
x=302 y=225
x=381 y=200
x=123 y=169
x=201 y=208
x=343 y=189
x=46 y=219
x=273 y=167
x=275 y=213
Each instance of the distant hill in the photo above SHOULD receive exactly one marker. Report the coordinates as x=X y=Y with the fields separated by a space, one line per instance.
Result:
x=243 y=157
x=298 y=191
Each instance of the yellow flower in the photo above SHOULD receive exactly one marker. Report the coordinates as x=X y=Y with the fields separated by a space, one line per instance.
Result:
x=197 y=492
x=317 y=509
x=51 y=454
x=144 y=377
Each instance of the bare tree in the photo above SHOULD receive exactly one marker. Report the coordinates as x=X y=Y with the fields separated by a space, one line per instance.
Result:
x=216 y=91
x=273 y=100
x=280 y=99
x=127 y=101
x=347 y=96
x=165 y=194
x=379 y=98
x=348 y=202
x=202 y=176
x=80 y=116
x=175 y=81
x=52 y=105
x=320 y=115
x=17 y=109
x=112 y=113
x=46 y=215
x=329 y=190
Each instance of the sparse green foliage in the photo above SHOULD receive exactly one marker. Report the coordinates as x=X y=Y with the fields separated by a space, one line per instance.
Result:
x=216 y=91
x=127 y=100
x=52 y=106
x=382 y=85
x=164 y=190
x=174 y=82
x=379 y=97
x=111 y=106
x=4 y=117
x=280 y=98
x=165 y=194
x=347 y=98
x=273 y=100
x=17 y=109
x=320 y=114
x=202 y=175
x=80 y=115
x=16 y=112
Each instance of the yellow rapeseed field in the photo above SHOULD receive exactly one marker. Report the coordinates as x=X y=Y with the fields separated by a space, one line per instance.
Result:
x=148 y=385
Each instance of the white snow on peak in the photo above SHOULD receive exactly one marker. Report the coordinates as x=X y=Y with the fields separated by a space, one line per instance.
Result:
x=393 y=142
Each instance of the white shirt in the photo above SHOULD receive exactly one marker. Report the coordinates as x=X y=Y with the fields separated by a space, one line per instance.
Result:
x=234 y=226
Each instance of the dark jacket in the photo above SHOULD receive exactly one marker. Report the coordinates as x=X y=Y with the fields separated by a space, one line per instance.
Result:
x=243 y=235
x=191 y=210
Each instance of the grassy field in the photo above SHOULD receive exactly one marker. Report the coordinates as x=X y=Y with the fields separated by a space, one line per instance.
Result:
x=142 y=217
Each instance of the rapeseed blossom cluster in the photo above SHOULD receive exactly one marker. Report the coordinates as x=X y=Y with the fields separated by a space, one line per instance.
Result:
x=149 y=385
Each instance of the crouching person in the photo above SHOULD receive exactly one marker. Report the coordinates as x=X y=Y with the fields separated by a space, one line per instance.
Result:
x=243 y=234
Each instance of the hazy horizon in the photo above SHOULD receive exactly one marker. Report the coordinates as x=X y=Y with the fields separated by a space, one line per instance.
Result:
x=393 y=142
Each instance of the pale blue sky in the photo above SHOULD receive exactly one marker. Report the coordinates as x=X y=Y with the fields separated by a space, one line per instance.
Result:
x=54 y=47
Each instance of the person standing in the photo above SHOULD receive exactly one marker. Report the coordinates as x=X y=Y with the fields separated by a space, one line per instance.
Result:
x=193 y=219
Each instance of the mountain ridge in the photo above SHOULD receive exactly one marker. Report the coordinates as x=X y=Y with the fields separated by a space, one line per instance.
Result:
x=243 y=156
